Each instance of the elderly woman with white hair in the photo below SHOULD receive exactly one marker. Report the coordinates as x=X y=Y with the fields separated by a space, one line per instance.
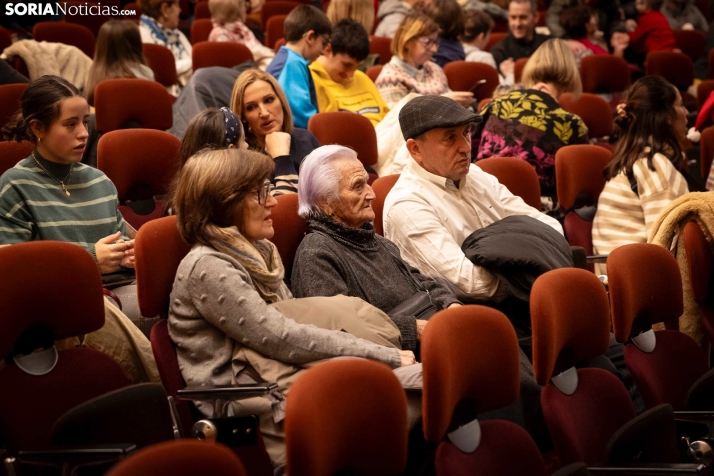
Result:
x=342 y=254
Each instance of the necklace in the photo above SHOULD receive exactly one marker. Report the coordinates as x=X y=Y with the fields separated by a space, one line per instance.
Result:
x=61 y=182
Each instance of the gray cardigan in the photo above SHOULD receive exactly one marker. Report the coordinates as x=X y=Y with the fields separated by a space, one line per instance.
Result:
x=214 y=304
x=333 y=259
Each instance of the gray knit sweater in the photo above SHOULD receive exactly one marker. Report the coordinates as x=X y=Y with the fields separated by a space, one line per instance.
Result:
x=214 y=305
x=333 y=259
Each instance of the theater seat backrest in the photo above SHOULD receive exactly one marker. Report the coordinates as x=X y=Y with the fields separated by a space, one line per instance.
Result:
x=289 y=229
x=146 y=103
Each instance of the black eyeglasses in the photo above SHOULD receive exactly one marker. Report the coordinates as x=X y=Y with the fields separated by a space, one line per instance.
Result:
x=263 y=192
x=429 y=42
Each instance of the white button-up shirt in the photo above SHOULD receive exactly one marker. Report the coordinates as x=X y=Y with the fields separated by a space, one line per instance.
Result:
x=429 y=217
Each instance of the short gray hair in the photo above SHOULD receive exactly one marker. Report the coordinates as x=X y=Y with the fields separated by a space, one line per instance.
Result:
x=319 y=179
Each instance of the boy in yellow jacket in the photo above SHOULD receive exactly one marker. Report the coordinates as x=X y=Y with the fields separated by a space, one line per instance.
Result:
x=339 y=86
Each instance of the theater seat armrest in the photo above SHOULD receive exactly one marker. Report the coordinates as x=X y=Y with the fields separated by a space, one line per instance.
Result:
x=597 y=259
x=221 y=396
x=113 y=297
x=694 y=415
x=579 y=257
x=70 y=457
x=650 y=469
x=701 y=394
x=119 y=449
x=226 y=393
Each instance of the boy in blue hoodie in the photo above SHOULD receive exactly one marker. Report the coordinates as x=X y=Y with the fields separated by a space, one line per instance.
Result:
x=307 y=33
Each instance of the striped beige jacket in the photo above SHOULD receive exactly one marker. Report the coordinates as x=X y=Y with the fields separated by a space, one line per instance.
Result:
x=625 y=217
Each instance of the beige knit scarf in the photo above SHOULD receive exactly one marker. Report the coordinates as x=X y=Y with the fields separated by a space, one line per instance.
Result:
x=261 y=259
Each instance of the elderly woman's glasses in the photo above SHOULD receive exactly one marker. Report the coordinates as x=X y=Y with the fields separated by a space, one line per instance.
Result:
x=429 y=42
x=263 y=192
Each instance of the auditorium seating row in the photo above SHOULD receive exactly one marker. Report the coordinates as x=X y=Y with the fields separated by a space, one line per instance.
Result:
x=588 y=411
x=600 y=73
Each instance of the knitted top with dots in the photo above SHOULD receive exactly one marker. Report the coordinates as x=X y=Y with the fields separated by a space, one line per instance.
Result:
x=214 y=305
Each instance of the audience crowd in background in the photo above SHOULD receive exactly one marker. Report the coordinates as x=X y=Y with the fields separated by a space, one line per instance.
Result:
x=250 y=137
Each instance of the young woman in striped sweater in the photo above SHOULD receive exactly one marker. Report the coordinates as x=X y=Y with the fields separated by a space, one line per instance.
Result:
x=644 y=174
x=51 y=195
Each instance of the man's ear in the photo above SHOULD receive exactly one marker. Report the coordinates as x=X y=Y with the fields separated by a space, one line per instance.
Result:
x=310 y=35
x=327 y=51
x=536 y=17
x=414 y=149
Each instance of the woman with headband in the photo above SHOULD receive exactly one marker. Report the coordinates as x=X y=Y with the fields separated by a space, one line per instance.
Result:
x=212 y=128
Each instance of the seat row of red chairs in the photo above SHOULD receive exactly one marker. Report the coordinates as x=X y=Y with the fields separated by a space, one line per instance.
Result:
x=578 y=168
x=579 y=181
x=143 y=173
x=691 y=42
x=204 y=53
x=600 y=74
x=75 y=30
x=590 y=416
x=141 y=162
x=149 y=105
x=675 y=372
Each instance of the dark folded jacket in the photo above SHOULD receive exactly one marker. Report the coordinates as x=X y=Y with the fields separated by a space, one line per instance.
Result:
x=518 y=249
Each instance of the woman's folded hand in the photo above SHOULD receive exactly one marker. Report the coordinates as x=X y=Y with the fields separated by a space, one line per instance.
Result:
x=408 y=357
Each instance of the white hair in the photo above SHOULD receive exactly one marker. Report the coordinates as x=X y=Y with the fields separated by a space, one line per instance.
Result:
x=319 y=180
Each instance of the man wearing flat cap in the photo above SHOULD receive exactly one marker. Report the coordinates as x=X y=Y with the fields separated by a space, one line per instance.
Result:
x=441 y=198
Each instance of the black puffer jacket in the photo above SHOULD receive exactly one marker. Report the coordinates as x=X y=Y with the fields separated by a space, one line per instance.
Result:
x=518 y=249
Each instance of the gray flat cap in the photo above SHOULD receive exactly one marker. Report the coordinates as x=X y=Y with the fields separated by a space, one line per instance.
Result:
x=424 y=113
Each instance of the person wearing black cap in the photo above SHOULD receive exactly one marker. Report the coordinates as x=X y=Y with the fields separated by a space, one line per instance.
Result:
x=441 y=198
x=438 y=201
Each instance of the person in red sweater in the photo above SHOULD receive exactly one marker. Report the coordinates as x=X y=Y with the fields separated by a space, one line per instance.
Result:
x=652 y=31
x=580 y=24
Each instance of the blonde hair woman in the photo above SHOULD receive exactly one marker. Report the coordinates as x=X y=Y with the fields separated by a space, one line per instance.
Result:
x=540 y=126
x=411 y=69
x=362 y=11
x=260 y=104
x=553 y=69
x=228 y=17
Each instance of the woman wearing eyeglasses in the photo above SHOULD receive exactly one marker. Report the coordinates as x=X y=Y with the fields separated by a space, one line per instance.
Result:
x=411 y=69
x=260 y=103
x=220 y=302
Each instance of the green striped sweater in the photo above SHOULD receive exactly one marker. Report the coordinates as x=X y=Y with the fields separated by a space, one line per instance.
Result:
x=33 y=206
